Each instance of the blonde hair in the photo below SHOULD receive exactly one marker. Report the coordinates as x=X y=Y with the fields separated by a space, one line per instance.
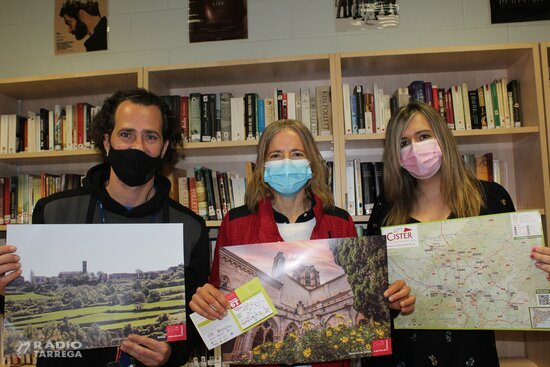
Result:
x=460 y=188
x=257 y=189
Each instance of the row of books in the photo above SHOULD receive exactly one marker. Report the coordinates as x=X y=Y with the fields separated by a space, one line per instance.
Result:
x=491 y=105
x=364 y=184
x=20 y=193
x=62 y=128
x=223 y=117
x=210 y=194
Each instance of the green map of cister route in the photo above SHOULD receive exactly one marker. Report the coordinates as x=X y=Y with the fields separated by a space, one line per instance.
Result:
x=471 y=273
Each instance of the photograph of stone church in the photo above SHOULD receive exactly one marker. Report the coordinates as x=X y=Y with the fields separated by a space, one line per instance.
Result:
x=328 y=295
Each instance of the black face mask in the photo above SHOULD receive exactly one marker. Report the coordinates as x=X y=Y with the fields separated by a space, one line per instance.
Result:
x=132 y=166
x=80 y=31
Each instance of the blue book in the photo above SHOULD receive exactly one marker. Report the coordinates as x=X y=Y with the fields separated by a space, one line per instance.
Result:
x=353 y=107
x=261 y=116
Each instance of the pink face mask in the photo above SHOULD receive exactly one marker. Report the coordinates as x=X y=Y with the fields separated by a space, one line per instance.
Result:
x=422 y=160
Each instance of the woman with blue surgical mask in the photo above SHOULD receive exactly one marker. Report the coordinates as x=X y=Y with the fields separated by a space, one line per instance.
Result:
x=287 y=198
x=426 y=179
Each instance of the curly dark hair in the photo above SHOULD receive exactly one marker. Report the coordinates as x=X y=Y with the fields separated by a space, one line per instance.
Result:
x=71 y=8
x=104 y=121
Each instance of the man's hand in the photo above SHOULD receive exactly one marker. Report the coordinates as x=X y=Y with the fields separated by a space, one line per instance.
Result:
x=400 y=297
x=9 y=263
x=148 y=351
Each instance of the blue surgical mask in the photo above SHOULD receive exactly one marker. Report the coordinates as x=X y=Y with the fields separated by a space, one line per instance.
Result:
x=287 y=176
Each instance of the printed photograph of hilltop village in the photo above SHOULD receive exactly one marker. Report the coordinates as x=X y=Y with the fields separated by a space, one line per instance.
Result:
x=328 y=295
x=93 y=285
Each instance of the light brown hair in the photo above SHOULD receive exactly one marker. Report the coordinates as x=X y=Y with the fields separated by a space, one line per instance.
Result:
x=257 y=189
x=460 y=188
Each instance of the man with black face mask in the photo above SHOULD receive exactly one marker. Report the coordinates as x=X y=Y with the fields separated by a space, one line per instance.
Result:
x=84 y=18
x=138 y=137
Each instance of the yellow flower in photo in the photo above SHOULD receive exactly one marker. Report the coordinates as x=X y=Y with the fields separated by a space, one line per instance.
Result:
x=256 y=352
x=335 y=346
x=278 y=344
x=339 y=316
x=379 y=333
x=264 y=356
x=307 y=352
x=328 y=333
x=353 y=333
x=344 y=339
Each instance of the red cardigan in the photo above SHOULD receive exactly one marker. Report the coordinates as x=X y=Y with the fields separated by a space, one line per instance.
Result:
x=242 y=227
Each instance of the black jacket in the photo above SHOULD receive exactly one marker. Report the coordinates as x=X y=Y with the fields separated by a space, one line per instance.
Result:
x=83 y=205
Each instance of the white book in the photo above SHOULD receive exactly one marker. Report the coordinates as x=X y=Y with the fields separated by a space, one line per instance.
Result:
x=237 y=118
x=12 y=127
x=291 y=106
x=238 y=187
x=276 y=98
x=350 y=181
x=347 y=109
x=500 y=99
x=68 y=127
x=31 y=132
x=386 y=111
x=358 y=188
x=306 y=109
x=489 y=106
x=497 y=176
x=51 y=133
x=377 y=113
x=4 y=133
x=466 y=107
x=458 y=109
x=57 y=131
x=313 y=116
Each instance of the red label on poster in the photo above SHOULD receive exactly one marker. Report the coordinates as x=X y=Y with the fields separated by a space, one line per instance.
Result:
x=381 y=347
x=234 y=301
x=175 y=332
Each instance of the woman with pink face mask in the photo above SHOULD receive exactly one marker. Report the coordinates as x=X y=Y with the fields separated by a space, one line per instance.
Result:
x=426 y=179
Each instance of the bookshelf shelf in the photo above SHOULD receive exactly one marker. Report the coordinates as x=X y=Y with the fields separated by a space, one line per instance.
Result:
x=26 y=158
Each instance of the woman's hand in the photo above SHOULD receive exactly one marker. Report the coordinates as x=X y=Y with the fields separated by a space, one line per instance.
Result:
x=400 y=297
x=541 y=254
x=10 y=268
x=209 y=302
x=148 y=351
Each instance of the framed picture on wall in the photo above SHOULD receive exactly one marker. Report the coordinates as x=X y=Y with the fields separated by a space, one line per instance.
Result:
x=80 y=26
x=217 y=20
x=508 y=11
x=364 y=15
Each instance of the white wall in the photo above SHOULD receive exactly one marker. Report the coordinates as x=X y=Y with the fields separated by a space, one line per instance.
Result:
x=154 y=32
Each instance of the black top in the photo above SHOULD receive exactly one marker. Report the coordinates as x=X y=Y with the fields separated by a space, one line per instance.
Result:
x=448 y=348
x=98 y=40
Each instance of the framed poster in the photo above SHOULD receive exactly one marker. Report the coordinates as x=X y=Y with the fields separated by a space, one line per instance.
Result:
x=508 y=11
x=80 y=26
x=217 y=20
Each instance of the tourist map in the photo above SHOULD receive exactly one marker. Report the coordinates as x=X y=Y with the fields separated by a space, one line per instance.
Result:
x=471 y=273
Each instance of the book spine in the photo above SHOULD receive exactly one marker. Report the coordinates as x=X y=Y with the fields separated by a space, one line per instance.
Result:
x=195 y=117
x=184 y=118
x=368 y=187
x=360 y=113
x=496 y=103
x=306 y=109
x=313 y=117
x=250 y=116
x=58 y=127
x=358 y=187
x=489 y=106
x=350 y=195
x=513 y=87
x=237 y=119
x=225 y=106
x=206 y=119
x=216 y=113
x=348 y=109
x=474 y=109
x=324 y=110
